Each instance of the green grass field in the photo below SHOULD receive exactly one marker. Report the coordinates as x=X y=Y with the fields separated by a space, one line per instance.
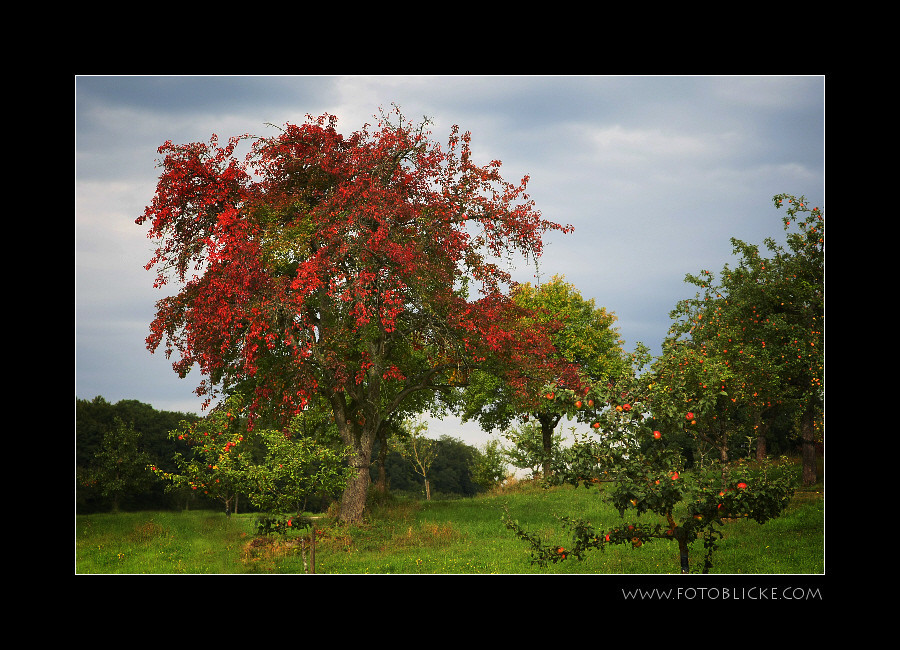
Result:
x=465 y=536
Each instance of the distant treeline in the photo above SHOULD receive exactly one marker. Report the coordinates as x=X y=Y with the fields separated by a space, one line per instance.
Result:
x=451 y=475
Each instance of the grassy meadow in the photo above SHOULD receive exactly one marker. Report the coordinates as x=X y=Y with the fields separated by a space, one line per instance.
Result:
x=464 y=536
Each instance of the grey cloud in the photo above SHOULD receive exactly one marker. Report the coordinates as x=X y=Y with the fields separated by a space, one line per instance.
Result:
x=655 y=173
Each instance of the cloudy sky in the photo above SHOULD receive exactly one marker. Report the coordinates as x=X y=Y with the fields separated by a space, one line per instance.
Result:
x=656 y=173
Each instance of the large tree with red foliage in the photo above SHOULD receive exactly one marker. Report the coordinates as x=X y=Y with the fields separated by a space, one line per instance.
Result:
x=358 y=273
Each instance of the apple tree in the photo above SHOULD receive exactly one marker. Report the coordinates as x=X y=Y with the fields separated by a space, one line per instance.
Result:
x=278 y=469
x=749 y=348
x=636 y=468
x=785 y=293
x=355 y=272
x=218 y=459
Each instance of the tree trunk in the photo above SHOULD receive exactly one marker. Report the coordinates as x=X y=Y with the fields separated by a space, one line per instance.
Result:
x=807 y=435
x=361 y=441
x=427 y=490
x=680 y=535
x=548 y=424
x=723 y=458
x=382 y=474
x=760 y=436
x=353 y=502
x=683 y=554
x=761 y=447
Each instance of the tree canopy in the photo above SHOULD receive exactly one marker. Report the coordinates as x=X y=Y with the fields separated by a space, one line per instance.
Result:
x=748 y=349
x=586 y=348
x=362 y=272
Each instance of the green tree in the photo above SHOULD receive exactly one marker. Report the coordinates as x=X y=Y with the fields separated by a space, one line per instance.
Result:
x=120 y=465
x=418 y=450
x=489 y=468
x=745 y=351
x=458 y=469
x=529 y=449
x=216 y=458
x=277 y=469
x=588 y=349
x=293 y=470
x=455 y=467
x=792 y=297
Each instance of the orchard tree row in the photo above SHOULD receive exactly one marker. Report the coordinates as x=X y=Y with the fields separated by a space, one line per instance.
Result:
x=358 y=281
x=743 y=358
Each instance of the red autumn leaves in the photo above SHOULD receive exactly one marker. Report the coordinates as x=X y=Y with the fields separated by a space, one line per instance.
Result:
x=318 y=247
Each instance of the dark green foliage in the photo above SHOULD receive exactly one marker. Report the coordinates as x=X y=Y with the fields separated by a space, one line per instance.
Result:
x=97 y=418
x=452 y=471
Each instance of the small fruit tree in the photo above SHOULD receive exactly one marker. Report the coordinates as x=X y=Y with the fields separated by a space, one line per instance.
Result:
x=640 y=473
x=218 y=458
x=276 y=469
